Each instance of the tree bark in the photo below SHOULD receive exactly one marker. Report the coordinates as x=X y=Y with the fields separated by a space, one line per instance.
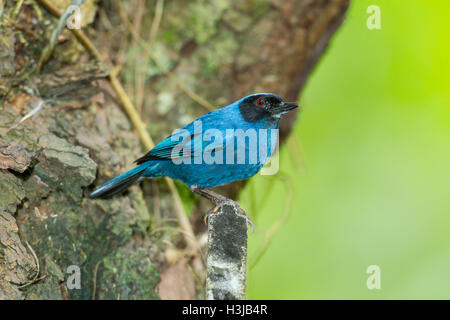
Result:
x=63 y=131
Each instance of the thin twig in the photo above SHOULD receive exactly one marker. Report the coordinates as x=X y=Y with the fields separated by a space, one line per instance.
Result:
x=200 y=100
x=268 y=236
x=48 y=50
x=129 y=109
x=36 y=276
x=62 y=288
x=20 y=27
x=149 y=144
x=295 y=152
x=35 y=110
x=87 y=44
x=147 y=141
x=139 y=72
x=156 y=22
x=156 y=203
x=16 y=10
x=94 y=281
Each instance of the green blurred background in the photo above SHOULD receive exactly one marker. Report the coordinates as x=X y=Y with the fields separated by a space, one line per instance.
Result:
x=369 y=166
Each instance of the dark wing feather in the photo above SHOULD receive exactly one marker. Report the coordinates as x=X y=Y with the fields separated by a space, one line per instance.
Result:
x=163 y=151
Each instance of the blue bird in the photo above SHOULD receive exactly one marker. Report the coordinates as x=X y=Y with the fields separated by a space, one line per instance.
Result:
x=228 y=144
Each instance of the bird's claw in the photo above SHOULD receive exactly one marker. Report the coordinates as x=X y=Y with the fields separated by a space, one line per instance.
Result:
x=243 y=213
x=212 y=211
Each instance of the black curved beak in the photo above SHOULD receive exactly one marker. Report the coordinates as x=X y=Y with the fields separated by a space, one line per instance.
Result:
x=288 y=106
x=285 y=107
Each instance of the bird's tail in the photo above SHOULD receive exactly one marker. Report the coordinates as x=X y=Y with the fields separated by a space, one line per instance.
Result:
x=119 y=183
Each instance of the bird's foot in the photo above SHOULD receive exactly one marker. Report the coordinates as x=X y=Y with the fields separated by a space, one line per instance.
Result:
x=236 y=206
x=210 y=212
x=220 y=200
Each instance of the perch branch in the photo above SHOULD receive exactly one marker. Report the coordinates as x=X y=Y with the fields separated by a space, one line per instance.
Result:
x=226 y=258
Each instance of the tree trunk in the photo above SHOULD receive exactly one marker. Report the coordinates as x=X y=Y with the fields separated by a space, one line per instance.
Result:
x=63 y=131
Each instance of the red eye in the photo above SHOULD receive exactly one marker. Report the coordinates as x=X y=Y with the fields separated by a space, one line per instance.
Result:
x=260 y=102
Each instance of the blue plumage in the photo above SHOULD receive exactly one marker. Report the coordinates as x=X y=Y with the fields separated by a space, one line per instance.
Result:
x=225 y=145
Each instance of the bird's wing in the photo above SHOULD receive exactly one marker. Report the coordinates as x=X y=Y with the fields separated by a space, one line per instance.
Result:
x=191 y=147
x=165 y=149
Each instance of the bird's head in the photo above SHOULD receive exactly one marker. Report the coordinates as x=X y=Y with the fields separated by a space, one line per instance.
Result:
x=264 y=105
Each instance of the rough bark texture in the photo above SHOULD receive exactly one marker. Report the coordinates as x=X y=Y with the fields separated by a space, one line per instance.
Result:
x=226 y=258
x=79 y=137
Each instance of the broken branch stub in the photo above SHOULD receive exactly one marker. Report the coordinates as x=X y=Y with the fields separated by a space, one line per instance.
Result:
x=226 y=257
